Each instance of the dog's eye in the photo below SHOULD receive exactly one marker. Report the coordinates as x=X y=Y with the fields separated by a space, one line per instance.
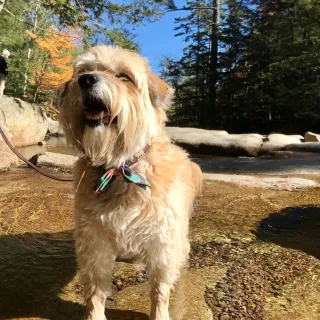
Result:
x=123 y=77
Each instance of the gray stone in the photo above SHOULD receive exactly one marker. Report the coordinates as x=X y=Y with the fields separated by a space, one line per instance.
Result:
x=8 y=158
x=277 y=141
x=199 y=141
x=52 y=159
x=24 y=123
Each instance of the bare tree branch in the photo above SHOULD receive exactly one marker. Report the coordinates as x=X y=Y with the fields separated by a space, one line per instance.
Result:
x=188 y=9
x=30 y=24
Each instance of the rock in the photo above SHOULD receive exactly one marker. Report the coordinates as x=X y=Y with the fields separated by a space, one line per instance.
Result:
x=199 y=141
x=24 y=123
x=178 y=132
x=51 y=159
x=311 y=137
x=8 y=158
x=312 y=147
x=282 y=139
x=54 y=128
x=220 y=143
x=276 y=183
x=296 y=136
x=277 y=141
x=42 y=143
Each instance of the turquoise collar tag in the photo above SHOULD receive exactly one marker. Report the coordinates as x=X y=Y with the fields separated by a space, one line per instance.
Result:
x=129 y=175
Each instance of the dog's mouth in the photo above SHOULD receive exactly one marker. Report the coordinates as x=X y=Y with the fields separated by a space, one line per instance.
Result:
x=96 y=113
x=99 y=117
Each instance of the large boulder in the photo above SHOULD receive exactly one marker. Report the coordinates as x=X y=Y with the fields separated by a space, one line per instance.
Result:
x=277 y=141
x=7 y=158
x=24 y=123
x=311 y=137
x=192 y=133
x=215 y=142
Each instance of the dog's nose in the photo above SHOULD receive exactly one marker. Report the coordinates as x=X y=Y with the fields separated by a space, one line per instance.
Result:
x=86 y=81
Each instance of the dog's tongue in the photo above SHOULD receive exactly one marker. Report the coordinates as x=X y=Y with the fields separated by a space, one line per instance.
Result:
x=94 y=115
x=101 y=115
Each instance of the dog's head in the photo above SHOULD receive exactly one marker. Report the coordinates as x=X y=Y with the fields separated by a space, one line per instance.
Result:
x=114 y=105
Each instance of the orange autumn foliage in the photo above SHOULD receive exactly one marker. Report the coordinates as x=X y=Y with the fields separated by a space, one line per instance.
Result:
x=52 y=63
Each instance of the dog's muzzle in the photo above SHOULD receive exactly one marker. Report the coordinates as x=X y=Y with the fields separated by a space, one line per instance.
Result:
x=95 y=111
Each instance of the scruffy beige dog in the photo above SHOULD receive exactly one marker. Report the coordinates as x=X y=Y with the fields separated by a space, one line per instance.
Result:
x=134 y=189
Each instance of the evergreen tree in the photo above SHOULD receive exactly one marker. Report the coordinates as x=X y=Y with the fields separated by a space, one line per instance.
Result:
x=194 y=64
x=265 y=76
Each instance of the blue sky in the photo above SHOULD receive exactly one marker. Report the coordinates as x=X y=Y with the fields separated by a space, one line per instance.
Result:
x=157 y=39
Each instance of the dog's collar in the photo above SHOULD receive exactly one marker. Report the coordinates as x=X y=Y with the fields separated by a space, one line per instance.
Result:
x=138 y=156
x=129 y=175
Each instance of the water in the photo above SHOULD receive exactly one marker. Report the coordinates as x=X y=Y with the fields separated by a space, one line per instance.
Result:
x=54 y=144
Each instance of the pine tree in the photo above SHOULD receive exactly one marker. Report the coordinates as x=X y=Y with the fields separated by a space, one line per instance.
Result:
x=194 y=64
x=285 y=43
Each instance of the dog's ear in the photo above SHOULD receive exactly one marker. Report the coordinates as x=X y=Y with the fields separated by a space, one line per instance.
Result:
x=160 y=93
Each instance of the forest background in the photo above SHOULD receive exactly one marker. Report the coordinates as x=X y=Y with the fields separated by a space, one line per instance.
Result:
x=247 y=65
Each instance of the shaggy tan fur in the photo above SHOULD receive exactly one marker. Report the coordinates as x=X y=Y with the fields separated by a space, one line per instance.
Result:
x=128 y=221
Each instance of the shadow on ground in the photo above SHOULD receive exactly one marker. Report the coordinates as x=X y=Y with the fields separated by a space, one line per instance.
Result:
x=293 y=227
x=34 y=270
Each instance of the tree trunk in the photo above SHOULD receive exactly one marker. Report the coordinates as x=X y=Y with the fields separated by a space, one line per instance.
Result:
x=2 y=4
x=212 y=114
x=26 y=77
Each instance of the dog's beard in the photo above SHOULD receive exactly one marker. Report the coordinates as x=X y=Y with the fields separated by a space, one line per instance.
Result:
x=112 y=145
x=102 y=145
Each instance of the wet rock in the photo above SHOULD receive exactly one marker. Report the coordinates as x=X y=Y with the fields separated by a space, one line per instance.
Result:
x=52 y=159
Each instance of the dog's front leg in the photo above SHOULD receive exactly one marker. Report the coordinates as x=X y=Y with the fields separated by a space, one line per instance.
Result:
x=160 y=293
x=95 y=306
x=96 y=261
x=96 y=279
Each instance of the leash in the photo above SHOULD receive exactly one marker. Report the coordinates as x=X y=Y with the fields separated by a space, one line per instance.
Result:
x=26 y=161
